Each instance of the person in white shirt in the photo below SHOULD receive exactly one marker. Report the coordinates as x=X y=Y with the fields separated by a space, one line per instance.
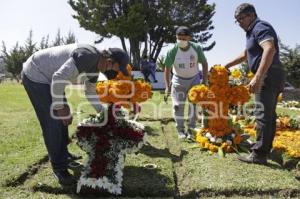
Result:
x=183 y=60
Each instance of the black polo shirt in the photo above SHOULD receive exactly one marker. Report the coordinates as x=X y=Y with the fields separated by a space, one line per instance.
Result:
x=260 y=31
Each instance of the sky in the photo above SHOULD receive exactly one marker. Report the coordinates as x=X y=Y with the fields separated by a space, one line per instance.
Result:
x=45 y=17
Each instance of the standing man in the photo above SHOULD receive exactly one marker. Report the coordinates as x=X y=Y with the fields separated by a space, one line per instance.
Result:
x=183 y=60
x=152 y=65
x=262 y=55
x=145 y=68
x=45 y=75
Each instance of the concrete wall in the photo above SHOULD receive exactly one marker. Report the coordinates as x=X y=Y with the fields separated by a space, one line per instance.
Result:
x=160 y=85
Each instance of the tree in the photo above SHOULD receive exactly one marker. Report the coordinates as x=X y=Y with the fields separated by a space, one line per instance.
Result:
x=30 y=46
x=13 y=60
x=290 y=58
x=44 y=42
x=70 y=38
x=151 y=23
x=58 y=41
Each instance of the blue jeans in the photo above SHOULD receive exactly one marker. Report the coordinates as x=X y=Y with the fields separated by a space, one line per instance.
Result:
x=54 y=132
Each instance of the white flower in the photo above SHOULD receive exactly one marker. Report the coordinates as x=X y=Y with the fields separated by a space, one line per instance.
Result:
x=229 y=142
x=208 y=135
x=233 y=135
x=212 y=139
x=219 y=140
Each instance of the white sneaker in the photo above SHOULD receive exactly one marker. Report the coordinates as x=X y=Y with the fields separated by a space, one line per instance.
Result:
x=181 y=135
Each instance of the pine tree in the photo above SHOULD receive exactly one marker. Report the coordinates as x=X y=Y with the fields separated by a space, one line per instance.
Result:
x=13 y=60
x=58 y=39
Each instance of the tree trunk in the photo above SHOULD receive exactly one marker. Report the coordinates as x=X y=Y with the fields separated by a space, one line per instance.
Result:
x=123 y=44
x=159 y=46
x=135 y=51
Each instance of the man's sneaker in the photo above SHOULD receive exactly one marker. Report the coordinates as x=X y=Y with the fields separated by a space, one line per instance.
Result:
x=64 y=177
x=253 y=158
x=181 y=135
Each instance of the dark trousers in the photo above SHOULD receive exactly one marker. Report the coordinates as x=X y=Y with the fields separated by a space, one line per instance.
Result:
x=265 y=111
x=146 y=73
x=152 y=73
x=54 y=132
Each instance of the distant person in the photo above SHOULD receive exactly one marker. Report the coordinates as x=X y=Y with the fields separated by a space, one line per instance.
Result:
x=262 y=55
x=145 y=68
x=152 y=65
x=183 y=60
x=45 y=75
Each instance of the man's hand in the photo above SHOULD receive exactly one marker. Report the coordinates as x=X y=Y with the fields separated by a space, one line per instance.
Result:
x=168 y=91
x=255 y=85
x=167 y=94
x=65 y=115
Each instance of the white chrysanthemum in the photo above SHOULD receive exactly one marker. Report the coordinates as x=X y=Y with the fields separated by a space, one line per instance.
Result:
x=229 y=142
x=208 y=135
x=212 y=139
x=219 y=140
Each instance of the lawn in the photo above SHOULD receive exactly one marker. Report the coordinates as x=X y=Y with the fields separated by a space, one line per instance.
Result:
x=183 y=170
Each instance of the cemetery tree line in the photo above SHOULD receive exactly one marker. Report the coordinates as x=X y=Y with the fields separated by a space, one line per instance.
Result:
x=13 y=59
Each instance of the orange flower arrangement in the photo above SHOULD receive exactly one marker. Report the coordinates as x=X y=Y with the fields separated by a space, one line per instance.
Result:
x=216 y=99
x=123 y=90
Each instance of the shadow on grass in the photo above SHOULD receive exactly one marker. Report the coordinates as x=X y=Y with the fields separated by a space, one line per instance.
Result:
x=153 y=152
x=137 y=181
x=140 y=181
x=150 y=131
x=30 y=171
x=284 y=193
x=54 y=190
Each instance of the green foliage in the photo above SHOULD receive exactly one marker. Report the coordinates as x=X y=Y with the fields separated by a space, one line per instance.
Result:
x=30 y=45
x=58 y=39
x=290 y=58
x=44 y=42
x=14 y=59
x=151 y=23
x=70 y=38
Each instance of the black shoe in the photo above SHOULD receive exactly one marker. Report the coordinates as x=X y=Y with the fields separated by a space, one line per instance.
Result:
x=155 y=81
x=64 y=177
x=253 y=159
x=74 y=156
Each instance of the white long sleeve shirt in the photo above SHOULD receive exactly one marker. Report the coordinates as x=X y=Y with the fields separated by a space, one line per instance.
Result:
x=59 y=66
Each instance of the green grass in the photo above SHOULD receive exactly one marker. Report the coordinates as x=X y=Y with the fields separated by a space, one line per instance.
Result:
x=183 y=170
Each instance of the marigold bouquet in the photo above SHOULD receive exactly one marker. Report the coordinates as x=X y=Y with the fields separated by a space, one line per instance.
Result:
x=215 y=99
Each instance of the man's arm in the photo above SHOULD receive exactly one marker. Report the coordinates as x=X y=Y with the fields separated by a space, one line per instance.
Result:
x=239 y=59
x=167 y=79
x=266 y=61
x=60 y=79
x=91 y=95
